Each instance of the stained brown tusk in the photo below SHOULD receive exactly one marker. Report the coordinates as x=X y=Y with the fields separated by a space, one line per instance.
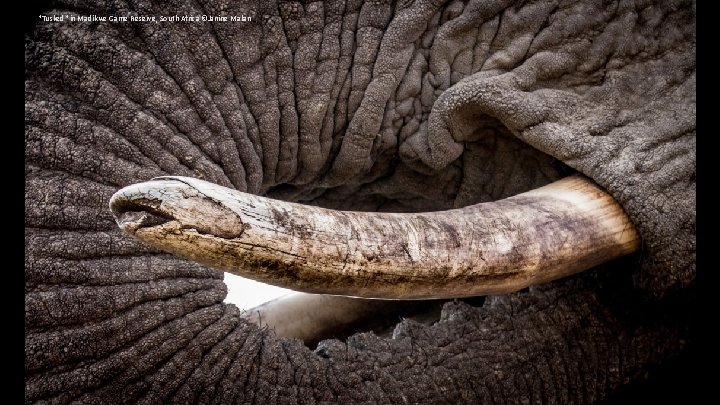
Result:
x=491 y=248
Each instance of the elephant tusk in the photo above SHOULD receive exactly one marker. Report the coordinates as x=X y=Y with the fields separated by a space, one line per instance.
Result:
x=311 y=317
x=490 y=248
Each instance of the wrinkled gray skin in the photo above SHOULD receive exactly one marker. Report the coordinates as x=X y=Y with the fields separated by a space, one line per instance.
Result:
x=407 y=106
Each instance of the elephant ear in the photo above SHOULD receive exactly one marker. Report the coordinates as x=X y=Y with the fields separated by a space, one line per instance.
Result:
x=601 y=107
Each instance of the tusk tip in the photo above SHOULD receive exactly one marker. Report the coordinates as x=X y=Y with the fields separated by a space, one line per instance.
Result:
x=140 y=206
x=188 y=203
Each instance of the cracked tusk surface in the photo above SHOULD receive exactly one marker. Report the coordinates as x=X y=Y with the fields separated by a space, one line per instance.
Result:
x=491 y=248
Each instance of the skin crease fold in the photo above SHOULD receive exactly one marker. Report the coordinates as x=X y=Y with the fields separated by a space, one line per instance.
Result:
x=388 y=107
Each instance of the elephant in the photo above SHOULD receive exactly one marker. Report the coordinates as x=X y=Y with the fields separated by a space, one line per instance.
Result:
x=408 y=107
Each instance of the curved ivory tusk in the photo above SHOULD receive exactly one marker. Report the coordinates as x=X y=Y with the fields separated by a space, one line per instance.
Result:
x=489 y=248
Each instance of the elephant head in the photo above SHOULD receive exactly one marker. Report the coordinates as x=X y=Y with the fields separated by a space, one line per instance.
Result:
x=420 y=109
